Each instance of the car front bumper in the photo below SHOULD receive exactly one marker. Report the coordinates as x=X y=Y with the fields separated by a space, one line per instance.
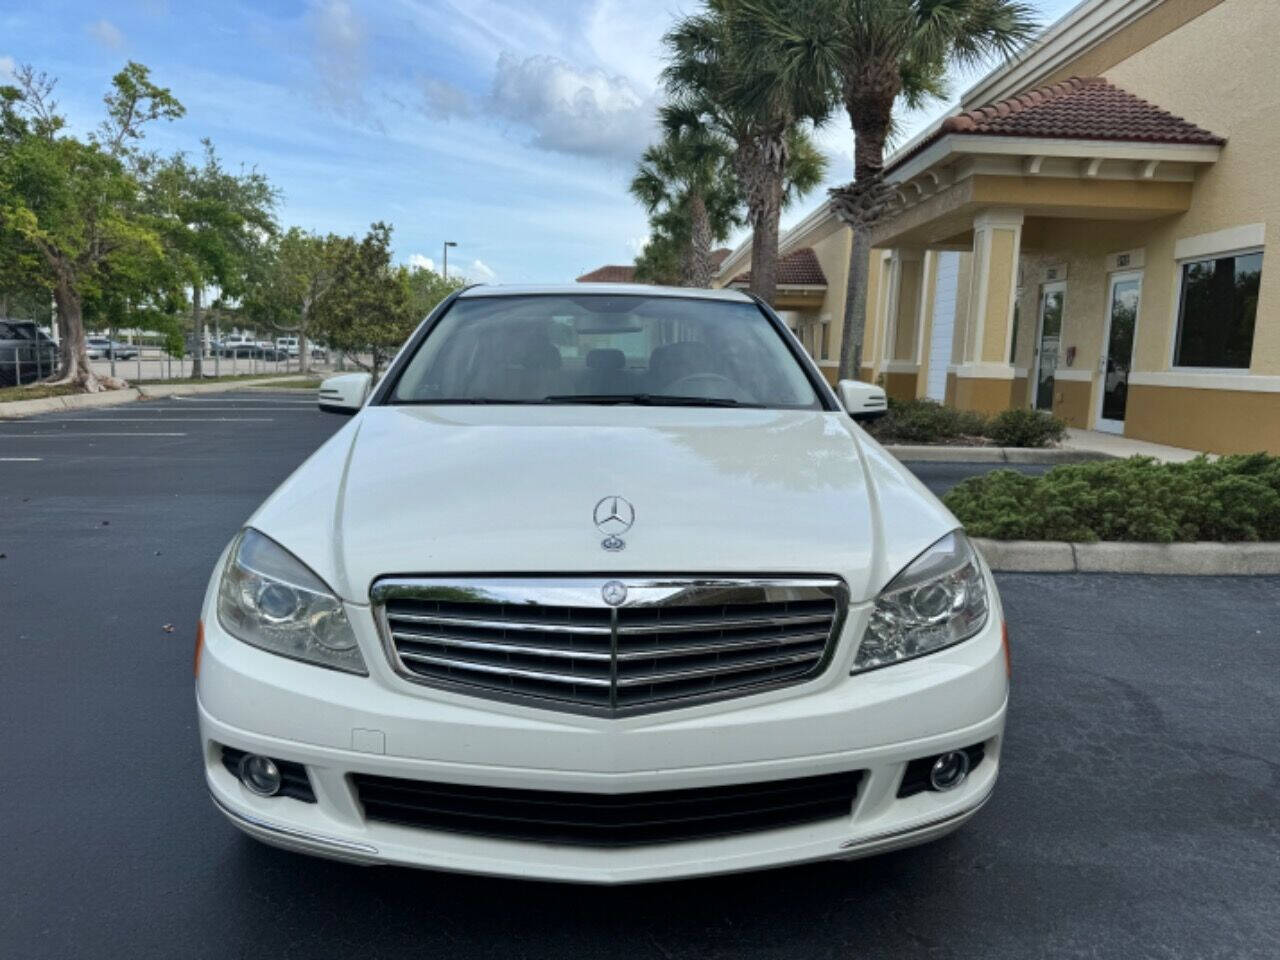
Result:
x=338 y=725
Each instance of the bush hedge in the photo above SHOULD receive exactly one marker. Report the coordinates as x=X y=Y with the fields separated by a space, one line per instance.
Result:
x=1232 y=499
x=927 y=421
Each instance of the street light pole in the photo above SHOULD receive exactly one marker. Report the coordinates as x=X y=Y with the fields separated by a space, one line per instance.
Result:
x=445 y=258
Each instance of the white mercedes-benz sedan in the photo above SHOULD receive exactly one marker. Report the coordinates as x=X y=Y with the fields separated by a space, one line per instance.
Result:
x=600 y=584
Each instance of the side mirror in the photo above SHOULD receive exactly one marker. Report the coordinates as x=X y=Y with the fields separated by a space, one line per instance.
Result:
x=862 y=401
x=345 y=394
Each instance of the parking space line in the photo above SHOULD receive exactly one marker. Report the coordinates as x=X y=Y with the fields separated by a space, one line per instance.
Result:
x=66 y=433
x=183 y=399
x=161 y=420
x=20 y=459
x=215 y=410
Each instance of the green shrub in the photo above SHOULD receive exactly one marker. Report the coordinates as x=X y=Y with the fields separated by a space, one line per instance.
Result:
x=1025 y=428
x=1232 y=499
x=971 y=423
x=926 y=421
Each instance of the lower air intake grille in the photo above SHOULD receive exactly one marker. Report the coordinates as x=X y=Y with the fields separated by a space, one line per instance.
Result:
x=657 y=645
x=608 y=820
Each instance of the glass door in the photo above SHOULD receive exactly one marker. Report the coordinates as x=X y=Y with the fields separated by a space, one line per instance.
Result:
x=1117 y=359
x=1052 y=297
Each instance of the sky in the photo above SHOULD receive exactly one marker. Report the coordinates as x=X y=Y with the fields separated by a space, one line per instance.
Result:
x=510 y=127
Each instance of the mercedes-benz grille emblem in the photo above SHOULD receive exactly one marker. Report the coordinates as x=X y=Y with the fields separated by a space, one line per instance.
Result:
x=614 y=516
x=614 y=593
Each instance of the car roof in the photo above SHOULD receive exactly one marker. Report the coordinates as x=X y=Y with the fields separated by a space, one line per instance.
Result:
x=611 y=289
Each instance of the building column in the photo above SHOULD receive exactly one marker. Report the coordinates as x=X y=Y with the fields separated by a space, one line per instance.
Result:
x=985 y=378
x=903 y=319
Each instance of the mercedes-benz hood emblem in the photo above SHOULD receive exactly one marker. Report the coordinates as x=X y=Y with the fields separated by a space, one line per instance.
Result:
x=613 y=517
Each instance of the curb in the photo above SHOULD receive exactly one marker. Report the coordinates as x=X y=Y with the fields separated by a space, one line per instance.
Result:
x=929 y=453
x=1160 y=559
x=16 y=409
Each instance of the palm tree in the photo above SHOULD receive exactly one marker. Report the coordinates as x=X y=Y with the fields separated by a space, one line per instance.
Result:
x=874 y=52
x=687 y=187
x=756 y=105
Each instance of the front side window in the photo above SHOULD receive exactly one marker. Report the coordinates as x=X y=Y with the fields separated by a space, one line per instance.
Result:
x=600 y=348
x=1218 y=307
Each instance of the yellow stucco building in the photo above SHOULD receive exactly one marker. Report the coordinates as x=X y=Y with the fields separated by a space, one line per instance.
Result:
x=1086 y=235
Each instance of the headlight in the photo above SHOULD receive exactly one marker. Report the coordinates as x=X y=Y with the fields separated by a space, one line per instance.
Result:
x=938 y=600
x=268 y=598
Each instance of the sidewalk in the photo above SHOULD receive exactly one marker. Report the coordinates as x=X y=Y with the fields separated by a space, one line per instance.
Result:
x=1112 y=445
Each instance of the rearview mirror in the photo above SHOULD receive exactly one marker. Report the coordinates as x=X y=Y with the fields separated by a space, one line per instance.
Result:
x=862 y=401
x=345 y=394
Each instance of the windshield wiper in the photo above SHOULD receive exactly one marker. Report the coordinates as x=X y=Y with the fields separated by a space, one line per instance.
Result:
x=647 y=400
x=459 y=402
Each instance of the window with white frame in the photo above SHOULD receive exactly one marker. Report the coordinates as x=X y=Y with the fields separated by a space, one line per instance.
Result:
x=1216 y=311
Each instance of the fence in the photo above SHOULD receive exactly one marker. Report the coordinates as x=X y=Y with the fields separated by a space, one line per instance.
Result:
x=19 y=366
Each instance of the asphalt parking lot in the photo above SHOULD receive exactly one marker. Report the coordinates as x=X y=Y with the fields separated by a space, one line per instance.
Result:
x=1137 y=815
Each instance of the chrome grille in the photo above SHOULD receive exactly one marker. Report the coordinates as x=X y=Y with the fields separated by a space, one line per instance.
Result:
x=557 y=643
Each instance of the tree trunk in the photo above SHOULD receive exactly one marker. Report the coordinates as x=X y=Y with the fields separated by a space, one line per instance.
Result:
x=304 y=351
x=73 y=358
x=764 y=244
x=761 y=162
x=699 y=271
x=869 y=92
x=197 y=333
x=855 y=305
x=862 y=204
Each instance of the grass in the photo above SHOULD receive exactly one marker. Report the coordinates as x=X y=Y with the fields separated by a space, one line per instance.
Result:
x=8 y=394
x=228 y=379
x=39 y=392
x=291 y=385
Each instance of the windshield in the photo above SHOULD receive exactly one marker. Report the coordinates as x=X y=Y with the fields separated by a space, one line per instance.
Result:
x=605 y=349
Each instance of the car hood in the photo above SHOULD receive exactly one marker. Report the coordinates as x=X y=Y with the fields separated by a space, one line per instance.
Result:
x=513 y=489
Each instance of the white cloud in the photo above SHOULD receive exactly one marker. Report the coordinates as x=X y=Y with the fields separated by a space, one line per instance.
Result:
x=7 y=67
x=637 y=244
x=418 y=261
x=442 y=100
x=571 y=109
x=628 y=37
x=107 y=34
x=481 y=272
x=339 y=52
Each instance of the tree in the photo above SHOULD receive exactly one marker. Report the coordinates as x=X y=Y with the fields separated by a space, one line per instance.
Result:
x=722 y=80
x=873 y=53
x=663 y=258
x=77 y=204
x=296 y=272
x=215 y=225
x=426 y=289
x=688 y=176
x=368 y=305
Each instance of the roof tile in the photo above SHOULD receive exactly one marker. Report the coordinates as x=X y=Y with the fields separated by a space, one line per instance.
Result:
x=799 y=268
x=610 y=273
x=1081 y=108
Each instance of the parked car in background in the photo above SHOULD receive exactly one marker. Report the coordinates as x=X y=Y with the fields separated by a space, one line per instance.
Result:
x=27 y=353
x=104 y=348
x=291 y=347
x=239 y=345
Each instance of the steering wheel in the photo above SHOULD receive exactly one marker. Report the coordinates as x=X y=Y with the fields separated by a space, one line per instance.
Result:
x=704 y=385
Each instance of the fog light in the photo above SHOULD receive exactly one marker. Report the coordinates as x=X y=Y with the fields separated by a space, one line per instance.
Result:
x=260 y=775
x=949 y=770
